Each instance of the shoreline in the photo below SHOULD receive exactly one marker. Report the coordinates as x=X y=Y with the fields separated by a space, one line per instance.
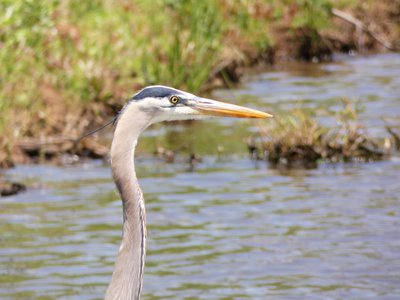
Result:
x=49 y=133
x=295 y=147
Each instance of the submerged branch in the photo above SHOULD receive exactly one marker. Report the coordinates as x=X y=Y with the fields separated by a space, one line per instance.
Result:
x=361 y=26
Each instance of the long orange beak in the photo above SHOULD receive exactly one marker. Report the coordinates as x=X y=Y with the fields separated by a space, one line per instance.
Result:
x=221 y=109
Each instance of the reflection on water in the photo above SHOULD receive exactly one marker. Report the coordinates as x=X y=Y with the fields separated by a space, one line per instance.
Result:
x=372 y=81
x=230 y=229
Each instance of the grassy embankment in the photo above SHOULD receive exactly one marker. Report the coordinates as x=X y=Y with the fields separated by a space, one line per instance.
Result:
x=66 y=65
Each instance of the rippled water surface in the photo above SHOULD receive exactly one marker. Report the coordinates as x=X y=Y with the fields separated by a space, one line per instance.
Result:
x=231 y=228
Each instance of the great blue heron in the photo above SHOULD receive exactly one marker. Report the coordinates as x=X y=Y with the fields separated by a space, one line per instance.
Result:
x=150 y=105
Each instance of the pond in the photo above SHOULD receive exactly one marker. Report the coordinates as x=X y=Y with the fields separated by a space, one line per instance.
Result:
x=229 y=228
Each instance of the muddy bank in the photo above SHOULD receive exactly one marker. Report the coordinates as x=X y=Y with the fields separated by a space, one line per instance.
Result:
x=362 y=29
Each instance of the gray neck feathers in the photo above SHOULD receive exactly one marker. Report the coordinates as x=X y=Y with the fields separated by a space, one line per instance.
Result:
x=127 y=278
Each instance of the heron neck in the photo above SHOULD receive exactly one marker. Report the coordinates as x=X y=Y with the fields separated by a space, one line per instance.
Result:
x=127 y=278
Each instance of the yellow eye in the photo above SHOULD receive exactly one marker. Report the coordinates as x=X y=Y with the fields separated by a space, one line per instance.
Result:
x=174 y=99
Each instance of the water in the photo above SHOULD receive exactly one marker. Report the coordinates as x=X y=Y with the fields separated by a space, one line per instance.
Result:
x=232 y=228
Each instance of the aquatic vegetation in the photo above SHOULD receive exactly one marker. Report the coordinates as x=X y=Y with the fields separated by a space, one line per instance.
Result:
x=299 y=139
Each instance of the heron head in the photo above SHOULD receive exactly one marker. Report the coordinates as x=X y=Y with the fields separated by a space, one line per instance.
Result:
x=169 y=104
